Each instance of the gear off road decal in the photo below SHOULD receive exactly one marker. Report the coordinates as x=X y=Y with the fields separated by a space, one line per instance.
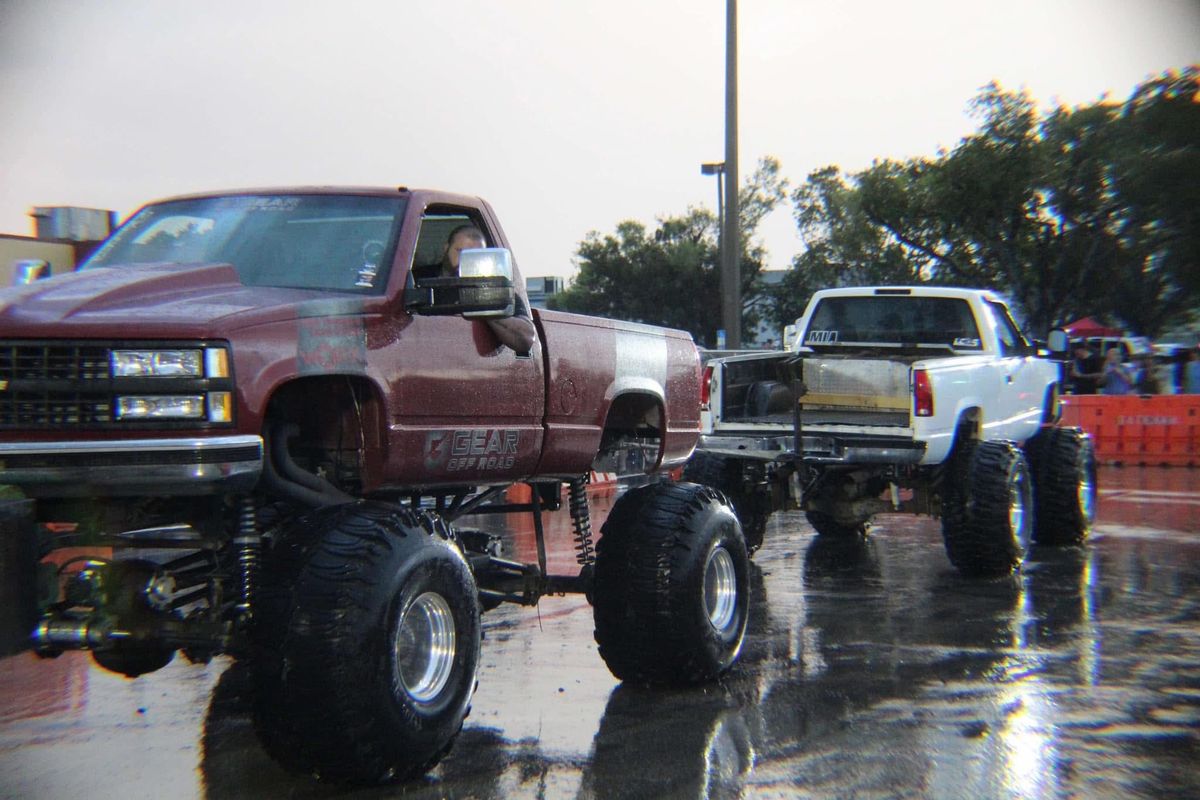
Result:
x=478 y=449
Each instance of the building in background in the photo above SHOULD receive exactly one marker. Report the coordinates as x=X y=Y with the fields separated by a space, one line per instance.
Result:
x=539 y=289
x=63 y=237
x=33 y=257
x=765 y=334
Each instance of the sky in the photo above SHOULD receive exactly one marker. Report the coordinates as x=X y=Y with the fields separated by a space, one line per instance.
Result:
x=568 y=116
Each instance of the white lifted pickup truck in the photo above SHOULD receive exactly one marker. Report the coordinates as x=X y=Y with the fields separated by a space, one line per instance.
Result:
x=902 y=399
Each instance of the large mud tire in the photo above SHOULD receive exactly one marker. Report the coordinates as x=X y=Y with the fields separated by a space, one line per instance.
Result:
x=1063 y=463
x=367 y=645
x=752 y=505
x=20 y=575
x=987 y=518
x=826 y=526
x=672 y=592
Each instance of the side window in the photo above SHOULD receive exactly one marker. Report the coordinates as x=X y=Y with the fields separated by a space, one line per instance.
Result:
x=437 y=224
x=1012 y=343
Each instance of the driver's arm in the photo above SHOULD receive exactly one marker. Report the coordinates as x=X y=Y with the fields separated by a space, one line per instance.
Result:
x=516 y=332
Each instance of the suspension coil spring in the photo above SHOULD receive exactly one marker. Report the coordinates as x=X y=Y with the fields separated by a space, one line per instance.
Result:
x=581 y=521
x=249 y=550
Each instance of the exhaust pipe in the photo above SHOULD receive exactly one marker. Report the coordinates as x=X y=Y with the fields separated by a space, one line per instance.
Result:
x=285 y=477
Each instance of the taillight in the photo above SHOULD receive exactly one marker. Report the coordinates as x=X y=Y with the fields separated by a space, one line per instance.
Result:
x=922 y=394
x=706 y=381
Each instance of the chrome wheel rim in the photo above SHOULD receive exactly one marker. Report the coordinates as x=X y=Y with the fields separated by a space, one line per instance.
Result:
x=1087 y=496
x=1017 y=520
x=720 y=589
x=425 y=646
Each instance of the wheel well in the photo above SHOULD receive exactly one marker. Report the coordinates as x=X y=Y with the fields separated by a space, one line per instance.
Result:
x=969 y=428
x=1052 y=410
x=341 y=426
x=634 y=424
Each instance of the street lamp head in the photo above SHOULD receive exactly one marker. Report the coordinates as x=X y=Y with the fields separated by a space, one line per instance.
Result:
x=714 y=168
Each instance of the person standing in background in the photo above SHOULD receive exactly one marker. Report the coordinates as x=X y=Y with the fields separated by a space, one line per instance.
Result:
x=1117 y=377
x=1086 y=370
x=1147 y=380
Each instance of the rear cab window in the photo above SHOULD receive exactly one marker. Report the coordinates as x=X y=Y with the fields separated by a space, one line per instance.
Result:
x=897 y=321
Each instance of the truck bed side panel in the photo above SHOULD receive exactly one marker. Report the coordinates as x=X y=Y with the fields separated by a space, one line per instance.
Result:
x=591 y=362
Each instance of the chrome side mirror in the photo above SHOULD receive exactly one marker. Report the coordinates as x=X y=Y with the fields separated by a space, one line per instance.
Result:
x=482 y=288
x=485 y=262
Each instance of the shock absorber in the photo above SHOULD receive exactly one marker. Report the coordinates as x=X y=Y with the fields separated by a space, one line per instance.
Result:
x=249 y=548
x=581 y=521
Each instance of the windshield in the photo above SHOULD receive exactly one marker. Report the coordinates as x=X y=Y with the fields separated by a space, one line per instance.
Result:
x=335 y=242
x=894 y=321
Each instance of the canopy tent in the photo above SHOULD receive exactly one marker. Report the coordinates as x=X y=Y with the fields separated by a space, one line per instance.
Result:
x=1087 y=326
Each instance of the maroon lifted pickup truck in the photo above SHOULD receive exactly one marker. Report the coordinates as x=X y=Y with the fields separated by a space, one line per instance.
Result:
x=277 y=429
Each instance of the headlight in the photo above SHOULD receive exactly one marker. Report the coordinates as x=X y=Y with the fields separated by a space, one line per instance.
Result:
x=158 y=363
x=178 y=384
x=160 y=407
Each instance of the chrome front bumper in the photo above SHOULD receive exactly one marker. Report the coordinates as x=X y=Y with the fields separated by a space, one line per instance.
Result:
x=193 y=466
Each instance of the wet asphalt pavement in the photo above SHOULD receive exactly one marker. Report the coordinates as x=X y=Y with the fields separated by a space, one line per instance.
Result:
x=870 y=670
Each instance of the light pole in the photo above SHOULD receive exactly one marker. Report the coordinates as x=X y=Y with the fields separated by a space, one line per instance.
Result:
x=731 y=281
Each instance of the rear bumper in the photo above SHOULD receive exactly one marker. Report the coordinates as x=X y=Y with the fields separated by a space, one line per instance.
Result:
x=192 y=466
x=853 y=449
x=820 y=448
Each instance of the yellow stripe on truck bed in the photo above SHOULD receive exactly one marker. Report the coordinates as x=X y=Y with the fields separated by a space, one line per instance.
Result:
x=890 y=402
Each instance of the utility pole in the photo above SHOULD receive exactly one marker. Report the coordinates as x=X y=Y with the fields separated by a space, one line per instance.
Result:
x=731 y=245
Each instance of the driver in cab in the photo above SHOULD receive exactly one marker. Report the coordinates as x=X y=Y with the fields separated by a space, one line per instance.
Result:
x=515 y=332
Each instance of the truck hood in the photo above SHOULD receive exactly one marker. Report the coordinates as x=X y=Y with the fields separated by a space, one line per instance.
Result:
x=181 y=299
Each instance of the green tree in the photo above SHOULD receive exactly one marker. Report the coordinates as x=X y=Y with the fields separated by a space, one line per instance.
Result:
x=1092 y=210
x=843 y=247
x=671 y=276
x=1154 y=220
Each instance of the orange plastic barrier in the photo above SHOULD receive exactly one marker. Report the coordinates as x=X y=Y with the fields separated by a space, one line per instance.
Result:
x=599 y=483
x=604 y=479
x=1151 y=430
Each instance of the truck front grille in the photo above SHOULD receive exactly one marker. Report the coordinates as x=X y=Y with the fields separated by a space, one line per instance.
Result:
x=66 y=386
x=51 y=409
x=53 y=385
x=53 y=362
